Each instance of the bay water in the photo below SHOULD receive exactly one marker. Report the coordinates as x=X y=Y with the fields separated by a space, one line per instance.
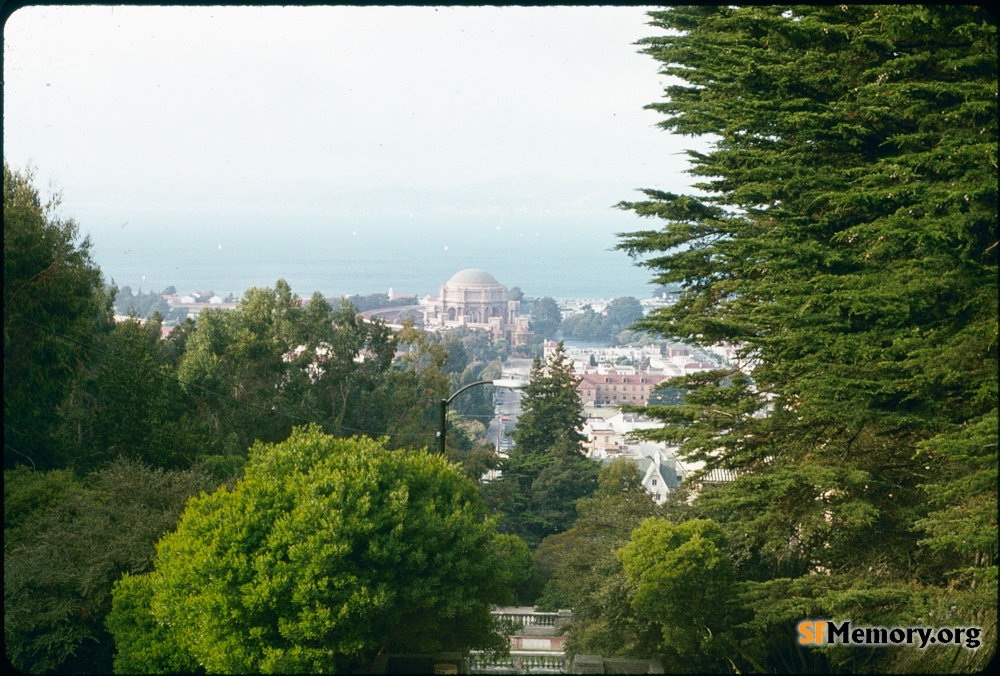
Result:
x=563 y=256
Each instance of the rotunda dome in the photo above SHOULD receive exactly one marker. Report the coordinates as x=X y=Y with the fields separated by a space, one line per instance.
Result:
x=472 y=276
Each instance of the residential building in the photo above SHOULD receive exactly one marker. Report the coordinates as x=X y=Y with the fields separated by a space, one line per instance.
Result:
x=613 y=388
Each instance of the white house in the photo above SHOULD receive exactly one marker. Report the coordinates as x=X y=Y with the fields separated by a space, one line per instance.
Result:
x=660 y=472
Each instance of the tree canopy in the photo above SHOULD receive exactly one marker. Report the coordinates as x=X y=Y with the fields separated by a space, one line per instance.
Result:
x=66 y=542
x=545 y=473
x=550 y=406
x=683 y=581
x=619 y=316
x=545 y=318
x=53 y=303
x=579 y=569
x=325 y=556
x=845 y=237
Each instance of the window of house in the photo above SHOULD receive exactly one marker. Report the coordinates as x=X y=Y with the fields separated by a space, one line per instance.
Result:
x=654 y=482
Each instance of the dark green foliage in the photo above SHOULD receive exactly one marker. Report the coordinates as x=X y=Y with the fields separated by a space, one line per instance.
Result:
x=545 y=473
x=129 y=403
x=517 y=568
x=666 y=396
x=452 y=361
x=68 y=543
x=545 y=318
x=620 y=314
x=328 y=554
x=566 y=478
x=144 y=305
x=846 y=239
x=623 y=312
x=458 y=357
x=54 y=303
x=176 y=342
x=374 y=301
x=579 y=569
x=473 y=356
x=402 y=403
x=475 y=460
x=550 y=406
x=588 y=325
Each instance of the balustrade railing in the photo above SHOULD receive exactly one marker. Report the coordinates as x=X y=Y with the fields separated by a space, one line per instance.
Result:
x=520 y=663
x=534 y=618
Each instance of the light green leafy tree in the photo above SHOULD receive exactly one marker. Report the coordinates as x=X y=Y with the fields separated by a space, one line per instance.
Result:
x=327 y=555
x=143 y=645
x=684 y=580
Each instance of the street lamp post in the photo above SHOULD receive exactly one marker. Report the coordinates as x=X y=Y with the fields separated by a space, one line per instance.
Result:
x=509 y=383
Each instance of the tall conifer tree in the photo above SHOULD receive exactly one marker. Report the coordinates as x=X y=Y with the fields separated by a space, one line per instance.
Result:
x=546 y=472
x=551 y=406
x=846 y=238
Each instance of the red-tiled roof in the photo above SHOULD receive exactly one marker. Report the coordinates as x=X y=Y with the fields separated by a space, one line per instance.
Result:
x=618 y=379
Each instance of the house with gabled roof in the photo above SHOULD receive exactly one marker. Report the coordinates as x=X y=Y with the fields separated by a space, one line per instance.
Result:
x=661 y=473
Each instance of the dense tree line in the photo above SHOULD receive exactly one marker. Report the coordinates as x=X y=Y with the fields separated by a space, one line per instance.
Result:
x=146 y=304
x=373 y=301
x=109 y=429
x=67 y=539
x=547 y=322
x=54 y=304
x=846 y=237
x=590 y=325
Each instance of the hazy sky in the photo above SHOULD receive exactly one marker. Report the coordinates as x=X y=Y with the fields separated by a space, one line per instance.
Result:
x=127 y=105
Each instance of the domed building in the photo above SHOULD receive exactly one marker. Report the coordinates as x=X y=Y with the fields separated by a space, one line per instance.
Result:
x=474 y=299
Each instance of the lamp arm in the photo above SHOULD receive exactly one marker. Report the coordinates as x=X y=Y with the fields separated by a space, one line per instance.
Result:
x=443 y=411
x=463 y=389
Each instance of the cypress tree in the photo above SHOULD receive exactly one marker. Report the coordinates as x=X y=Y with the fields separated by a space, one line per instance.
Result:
x=550 y=407
x=845 y=236
x=546 y=472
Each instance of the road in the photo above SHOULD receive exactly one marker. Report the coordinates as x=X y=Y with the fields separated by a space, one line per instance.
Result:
x=507 y=411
